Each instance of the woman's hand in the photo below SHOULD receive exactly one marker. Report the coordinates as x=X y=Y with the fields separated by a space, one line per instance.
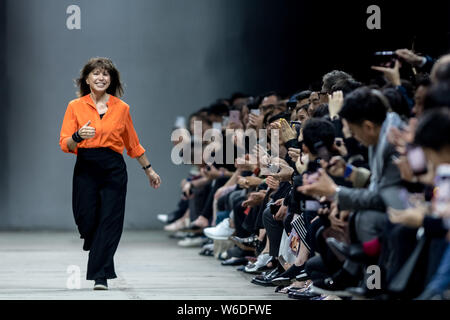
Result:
x=286 y=132
x=153 y=177
x=87 y=132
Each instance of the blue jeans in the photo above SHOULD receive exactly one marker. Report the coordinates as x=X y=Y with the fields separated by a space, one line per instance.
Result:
x=441 y=280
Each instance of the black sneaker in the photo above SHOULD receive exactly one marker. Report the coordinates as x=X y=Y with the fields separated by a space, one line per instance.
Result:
x=101 y=284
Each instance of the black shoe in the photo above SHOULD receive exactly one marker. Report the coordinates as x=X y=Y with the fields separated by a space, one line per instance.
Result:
x=101 y=284
x=234 y=261
x=266 y=279
x=236 y=252
x=250 y=243
x=305 y=295
x=288 y=276
x=335 y=285
x=206 y=252
x=344 y=251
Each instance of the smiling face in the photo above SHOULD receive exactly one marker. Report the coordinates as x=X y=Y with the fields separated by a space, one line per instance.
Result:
x=98 y=80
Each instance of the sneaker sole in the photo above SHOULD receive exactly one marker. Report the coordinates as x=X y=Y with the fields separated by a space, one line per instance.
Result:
x=100 y=287
x=338 y=293
x=215 y=237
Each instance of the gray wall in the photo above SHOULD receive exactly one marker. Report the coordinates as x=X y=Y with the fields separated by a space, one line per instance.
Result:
x=175 y=56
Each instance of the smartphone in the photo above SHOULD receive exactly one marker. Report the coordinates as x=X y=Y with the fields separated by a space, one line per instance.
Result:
x=296 y=125
x=256 y=112
x=325 y=205
x=274 y=209
x=385 y=58
x=313 y=177
x=416 y=159
x=442 y=183
x=235 y=116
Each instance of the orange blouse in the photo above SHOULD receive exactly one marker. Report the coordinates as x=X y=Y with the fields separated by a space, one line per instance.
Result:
x=115 y=130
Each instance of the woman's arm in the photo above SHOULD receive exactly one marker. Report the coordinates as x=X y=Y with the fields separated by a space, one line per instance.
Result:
x=154 y=178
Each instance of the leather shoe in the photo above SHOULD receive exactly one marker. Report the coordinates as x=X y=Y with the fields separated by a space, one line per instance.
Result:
x=266 y=280
x=250 y=243
x=303 y=295
x=234 y=261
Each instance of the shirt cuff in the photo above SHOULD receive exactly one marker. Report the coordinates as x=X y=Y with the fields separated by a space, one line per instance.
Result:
x=136 y=151
x=64 y=146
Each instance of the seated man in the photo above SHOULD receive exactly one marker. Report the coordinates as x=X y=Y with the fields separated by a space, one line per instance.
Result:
x=366 y=113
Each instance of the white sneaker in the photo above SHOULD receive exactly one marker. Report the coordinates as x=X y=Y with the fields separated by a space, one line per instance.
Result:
x=261 y=262
x=220 y=232
x=191 y=242
x=163 y=217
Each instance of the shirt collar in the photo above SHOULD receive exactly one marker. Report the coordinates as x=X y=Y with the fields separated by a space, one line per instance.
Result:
x=87 y=98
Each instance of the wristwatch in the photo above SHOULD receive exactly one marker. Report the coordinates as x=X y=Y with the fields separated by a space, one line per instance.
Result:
x=348 y=171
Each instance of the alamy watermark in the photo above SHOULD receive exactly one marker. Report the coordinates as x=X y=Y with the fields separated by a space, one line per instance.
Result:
x=74 y=279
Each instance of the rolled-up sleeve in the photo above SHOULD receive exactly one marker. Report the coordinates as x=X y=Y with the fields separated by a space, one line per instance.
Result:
x=130 y=138
x=69 y=126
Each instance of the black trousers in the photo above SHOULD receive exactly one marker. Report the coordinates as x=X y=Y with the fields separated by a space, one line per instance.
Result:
x=274 y=231
x=99 y=191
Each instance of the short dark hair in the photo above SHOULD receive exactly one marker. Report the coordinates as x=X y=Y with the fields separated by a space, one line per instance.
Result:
x=321 y=111
x=433 y=129
x=364 y=104
x=397 y=101
x=281 y=115
x=115 y=88
x=303 y=95
x=219 y=109
x=346 y=86
x=237 y=95
x=442 y=72
x=331 y=78
x=316 y=130
x=438 y=95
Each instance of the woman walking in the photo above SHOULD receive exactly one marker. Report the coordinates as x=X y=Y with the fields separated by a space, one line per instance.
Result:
x=97 y=127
